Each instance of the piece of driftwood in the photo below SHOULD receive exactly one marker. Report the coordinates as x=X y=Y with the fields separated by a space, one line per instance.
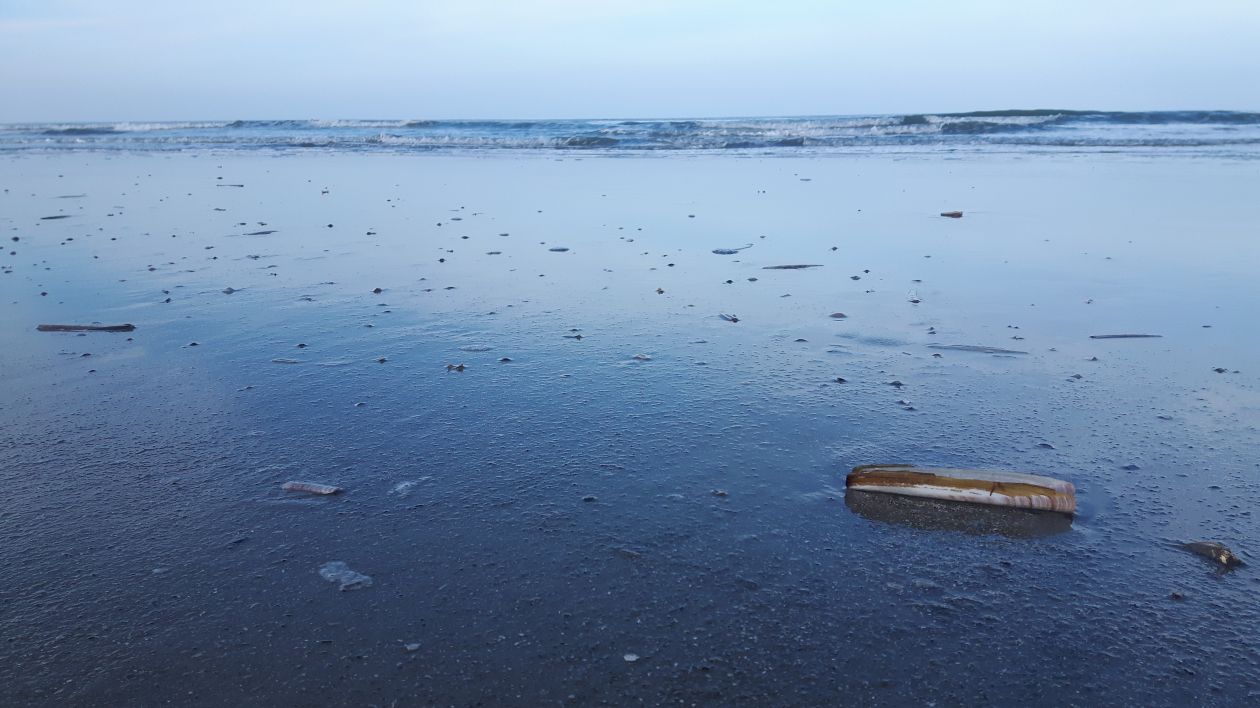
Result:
x=996 y=487
x=86 y=328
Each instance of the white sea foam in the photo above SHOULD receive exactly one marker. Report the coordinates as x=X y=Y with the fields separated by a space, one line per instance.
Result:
x=1217 y=133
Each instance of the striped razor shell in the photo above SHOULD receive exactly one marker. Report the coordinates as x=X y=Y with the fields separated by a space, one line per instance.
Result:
x=995 y=487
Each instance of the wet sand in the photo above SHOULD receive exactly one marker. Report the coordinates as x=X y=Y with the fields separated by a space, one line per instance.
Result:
x=645 y=504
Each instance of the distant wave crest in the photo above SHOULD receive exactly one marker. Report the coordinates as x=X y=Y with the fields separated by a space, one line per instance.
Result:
x=76 y=130
x=1223 y=132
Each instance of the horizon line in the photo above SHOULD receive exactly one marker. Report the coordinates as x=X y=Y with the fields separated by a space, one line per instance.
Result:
x=970 y=113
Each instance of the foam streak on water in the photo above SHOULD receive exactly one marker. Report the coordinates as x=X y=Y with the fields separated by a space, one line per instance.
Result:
x=1222 y=133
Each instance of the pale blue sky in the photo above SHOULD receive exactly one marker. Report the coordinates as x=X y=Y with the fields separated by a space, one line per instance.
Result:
x=226 y=59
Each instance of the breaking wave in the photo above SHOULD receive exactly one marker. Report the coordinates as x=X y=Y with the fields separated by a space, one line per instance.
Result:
x=1220 y=132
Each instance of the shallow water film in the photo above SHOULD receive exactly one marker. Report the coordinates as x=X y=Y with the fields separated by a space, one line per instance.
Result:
x=584 y=443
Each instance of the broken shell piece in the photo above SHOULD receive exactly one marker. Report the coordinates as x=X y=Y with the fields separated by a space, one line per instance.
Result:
x=1214 y=551
x=311 y=487
x=999 y=488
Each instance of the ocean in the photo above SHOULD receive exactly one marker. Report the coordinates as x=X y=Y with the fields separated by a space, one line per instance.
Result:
x=1218 y=133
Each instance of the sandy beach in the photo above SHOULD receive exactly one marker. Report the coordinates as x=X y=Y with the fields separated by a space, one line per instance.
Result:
x=623 y=497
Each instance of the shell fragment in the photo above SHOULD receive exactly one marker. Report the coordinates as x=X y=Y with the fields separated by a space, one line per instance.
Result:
x=310 y=487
